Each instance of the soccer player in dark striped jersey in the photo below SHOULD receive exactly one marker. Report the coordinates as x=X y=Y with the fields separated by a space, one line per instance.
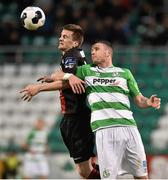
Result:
x=75 y=125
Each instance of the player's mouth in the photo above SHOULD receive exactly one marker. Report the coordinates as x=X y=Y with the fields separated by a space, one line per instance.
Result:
x=93 y=57
x=60 y=43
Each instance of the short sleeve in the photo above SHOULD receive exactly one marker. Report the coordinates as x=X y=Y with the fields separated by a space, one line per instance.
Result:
x=70 y=64
x=132 y=84
x=72 y=59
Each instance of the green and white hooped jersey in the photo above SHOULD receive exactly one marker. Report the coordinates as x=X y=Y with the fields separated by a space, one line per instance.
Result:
x=107 y=92
x=37 y=140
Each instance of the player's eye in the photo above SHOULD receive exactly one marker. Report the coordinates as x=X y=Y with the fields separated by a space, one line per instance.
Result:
x=96 y=48
x=65 y=36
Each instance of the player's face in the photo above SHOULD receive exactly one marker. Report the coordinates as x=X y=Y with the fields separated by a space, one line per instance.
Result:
x=98 y=53
x=40 y=124
x=66 y=41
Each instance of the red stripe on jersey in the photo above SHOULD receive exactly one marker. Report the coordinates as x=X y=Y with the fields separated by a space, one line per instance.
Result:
x=62 y=99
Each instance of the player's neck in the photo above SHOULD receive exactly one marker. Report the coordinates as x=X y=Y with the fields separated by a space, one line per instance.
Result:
x=105 y=65
x=64 y=51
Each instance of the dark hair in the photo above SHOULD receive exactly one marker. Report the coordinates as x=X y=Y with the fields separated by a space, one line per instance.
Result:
x=78 y=34
x=107 y=43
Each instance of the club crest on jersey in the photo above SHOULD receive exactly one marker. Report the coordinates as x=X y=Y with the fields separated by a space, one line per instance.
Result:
x=69 y=62
x=106 y=173
x=115 y=74
x=97 y=73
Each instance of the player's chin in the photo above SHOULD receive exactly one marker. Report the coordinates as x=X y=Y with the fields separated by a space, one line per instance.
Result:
x=61 y=47
x=95 y=61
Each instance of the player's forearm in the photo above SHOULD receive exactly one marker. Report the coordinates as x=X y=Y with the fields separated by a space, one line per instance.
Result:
x=56 y=85
x=142 y=102
x=57 y=76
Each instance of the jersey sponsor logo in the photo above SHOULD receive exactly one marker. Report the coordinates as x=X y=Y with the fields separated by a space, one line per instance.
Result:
x=105 y=81
x=106 y=173
x=69 y=62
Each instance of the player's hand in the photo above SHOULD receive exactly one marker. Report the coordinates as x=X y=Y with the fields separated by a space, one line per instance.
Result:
x=76 y=84
x=154 y=101
x=44 y=79
x=26 y=96
x=29 y=91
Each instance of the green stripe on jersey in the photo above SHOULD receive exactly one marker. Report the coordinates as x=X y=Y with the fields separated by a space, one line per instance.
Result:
x=104 y=105
x=112 y=111
x=104 y=123
x=109 y=74
x=109 y=89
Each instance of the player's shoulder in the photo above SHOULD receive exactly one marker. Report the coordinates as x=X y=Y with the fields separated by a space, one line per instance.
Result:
x=75 y=52
x=124 y=72
x=88 y=66
x=121 y=69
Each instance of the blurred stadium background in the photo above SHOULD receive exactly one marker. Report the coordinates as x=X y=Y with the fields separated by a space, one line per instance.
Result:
x=138 y=31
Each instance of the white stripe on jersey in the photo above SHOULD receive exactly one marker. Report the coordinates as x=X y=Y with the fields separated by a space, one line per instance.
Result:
x=110 y=113
x=107 y=70
x=108 y=97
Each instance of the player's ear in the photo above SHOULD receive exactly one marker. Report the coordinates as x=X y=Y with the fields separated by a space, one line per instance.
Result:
x=108 y=52
x=75 y=44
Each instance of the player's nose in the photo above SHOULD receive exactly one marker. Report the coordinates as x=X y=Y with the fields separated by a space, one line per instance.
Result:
x=60 y=39
x=92 y=52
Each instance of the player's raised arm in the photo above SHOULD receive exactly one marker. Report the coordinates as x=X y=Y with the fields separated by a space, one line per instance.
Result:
x=33 y=89
x=53 y=77
x=144 y=102
x=57 y=75
x=47 y=79
x=75 y=83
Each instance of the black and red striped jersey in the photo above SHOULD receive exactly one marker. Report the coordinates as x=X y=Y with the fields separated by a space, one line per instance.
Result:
x=73 y=103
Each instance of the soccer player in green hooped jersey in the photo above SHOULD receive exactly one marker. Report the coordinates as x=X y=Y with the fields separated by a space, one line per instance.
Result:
x=35 y=163
x=119 y=145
